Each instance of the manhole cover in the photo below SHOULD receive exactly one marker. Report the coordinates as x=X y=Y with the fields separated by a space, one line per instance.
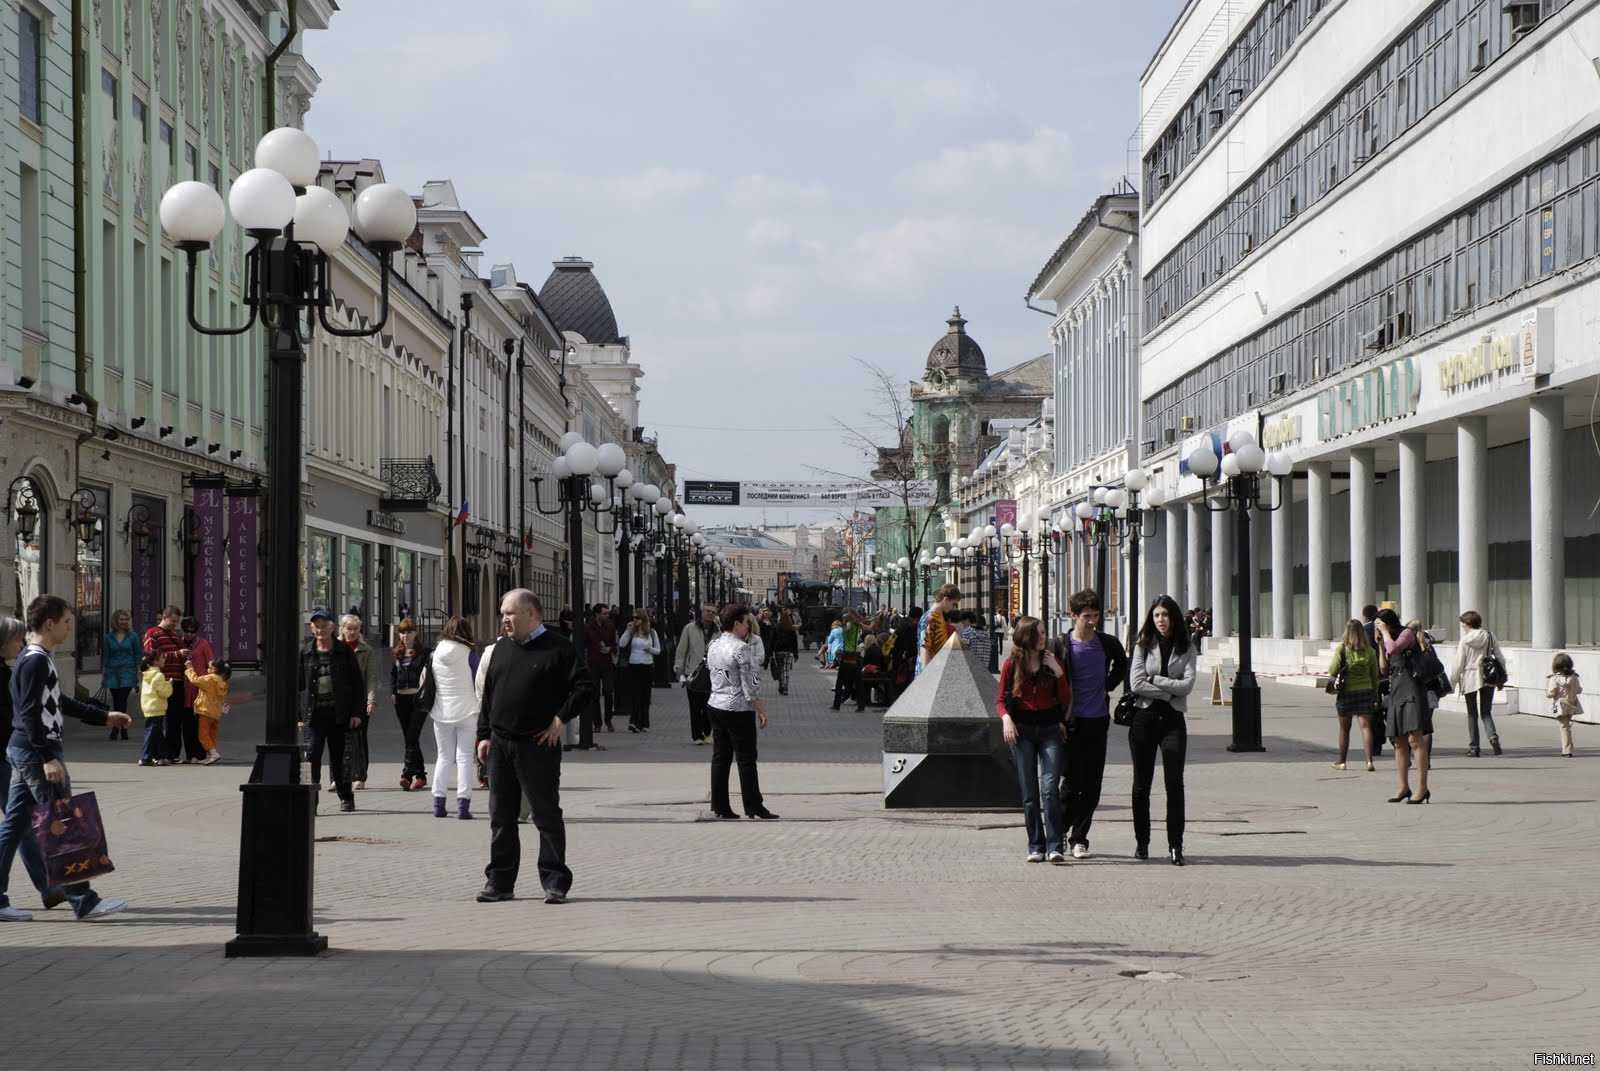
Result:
x=1152 y=976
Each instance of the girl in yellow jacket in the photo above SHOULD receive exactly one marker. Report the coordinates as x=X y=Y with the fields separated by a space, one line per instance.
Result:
x=210 y=703
x=153 y=694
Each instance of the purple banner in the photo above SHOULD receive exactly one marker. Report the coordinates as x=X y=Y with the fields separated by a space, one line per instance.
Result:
x=210 y=583
x=242 y=642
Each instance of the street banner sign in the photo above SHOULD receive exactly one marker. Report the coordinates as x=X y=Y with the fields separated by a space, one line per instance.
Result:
x=836 y=493
x=710 y=492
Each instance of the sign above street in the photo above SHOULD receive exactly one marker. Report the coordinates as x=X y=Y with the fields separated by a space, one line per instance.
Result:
x=890 y=493
x=710 y=492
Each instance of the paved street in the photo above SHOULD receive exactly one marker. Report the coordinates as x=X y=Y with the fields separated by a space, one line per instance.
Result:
x=1317 y=926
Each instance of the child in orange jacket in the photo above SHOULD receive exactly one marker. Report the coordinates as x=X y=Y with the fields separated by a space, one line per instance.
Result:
x=210 y=703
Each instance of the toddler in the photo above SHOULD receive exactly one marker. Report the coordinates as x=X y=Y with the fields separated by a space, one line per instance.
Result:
x=210 y=703
x=154 y=691
x=1563 y=686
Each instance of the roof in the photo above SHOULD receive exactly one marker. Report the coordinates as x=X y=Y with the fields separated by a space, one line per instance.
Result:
x=1032 y=378
x=956 y=352
x=1091 y=220
x=577 y=302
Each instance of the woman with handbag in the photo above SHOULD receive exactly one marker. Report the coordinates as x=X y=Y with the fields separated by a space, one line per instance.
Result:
x=1409 y=709
x=1353 y=680
x=405 y=678
x=122 y=651
x=1480 y=669
x=1161 y=675
x=1033 y=703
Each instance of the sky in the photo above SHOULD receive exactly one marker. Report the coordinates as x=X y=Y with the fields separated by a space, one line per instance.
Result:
x=771 y=191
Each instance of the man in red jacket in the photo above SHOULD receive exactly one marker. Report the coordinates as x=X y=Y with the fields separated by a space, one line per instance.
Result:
x=165 y=640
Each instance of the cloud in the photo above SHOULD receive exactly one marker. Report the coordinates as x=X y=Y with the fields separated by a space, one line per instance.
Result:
x=656 y=185
x=770 y=232
x=757 y=193
x=923 y=101
x=1045 y=158
x=914 y=252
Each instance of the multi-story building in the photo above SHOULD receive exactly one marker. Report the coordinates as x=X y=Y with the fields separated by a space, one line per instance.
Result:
x=112 y=408
x=1369 y=238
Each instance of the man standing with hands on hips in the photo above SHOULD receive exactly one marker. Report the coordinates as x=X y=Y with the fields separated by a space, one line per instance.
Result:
x=534 y=685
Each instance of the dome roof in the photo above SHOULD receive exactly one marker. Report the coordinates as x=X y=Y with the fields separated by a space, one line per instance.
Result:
x=957 y=353
x=577 y=302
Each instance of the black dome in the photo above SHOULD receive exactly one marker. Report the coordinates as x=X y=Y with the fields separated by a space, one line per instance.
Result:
x=577 y=302
x=957 y=353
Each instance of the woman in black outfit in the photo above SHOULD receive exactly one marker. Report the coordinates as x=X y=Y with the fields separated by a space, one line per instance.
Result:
x=1161 y=674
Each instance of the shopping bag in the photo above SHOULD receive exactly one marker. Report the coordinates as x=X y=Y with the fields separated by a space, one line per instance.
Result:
x=72 y=839
x=355 y=757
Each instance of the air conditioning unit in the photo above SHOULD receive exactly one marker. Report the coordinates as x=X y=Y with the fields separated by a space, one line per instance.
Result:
x=1187 y=423
x=1525 y=15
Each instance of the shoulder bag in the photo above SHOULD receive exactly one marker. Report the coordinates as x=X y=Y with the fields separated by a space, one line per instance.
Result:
x=1493 y=671
x=427 y=690
x=1336 y=682
x=699 y=682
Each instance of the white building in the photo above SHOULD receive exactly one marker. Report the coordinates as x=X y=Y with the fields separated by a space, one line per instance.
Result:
x=1369 y=235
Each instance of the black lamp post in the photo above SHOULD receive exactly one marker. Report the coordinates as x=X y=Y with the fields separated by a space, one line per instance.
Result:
x=1239 y=488
x=22 y=502
x=575 y=495
x=83 y=515
x=295 y=224
x=136 y=526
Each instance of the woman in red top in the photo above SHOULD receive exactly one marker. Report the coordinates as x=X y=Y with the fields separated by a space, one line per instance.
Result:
x=1035 y=697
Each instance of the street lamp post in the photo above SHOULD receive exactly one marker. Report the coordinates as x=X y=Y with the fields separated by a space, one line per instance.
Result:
x=296 y=225
x=1243 y=492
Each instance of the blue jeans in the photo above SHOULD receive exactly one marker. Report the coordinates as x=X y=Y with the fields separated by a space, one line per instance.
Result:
x=155 y=740
x=1038 y=756
x=32 y=861
x=28 y=789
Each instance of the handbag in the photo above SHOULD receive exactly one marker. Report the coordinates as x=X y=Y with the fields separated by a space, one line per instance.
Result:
x=1126 y=707
x=1335 y=684
x=1493 y=671
x=699 y=682
x=72 y=839
x=427 y=690
x=1426 y=668
x=355 y=757
x=102 y=698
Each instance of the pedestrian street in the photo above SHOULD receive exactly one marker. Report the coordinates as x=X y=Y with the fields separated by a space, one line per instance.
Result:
x=1315 y=925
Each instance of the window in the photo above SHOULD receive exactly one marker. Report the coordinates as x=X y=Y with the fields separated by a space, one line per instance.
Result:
x=108 y=295
x=191 y=160
x=30 y=64
x=108 y=84
x=214 y=177
x=170 y=141
x=32 y=252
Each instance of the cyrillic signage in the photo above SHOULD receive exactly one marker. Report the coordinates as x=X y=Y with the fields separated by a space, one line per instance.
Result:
x=1368 y=399
x=811 y=493
x=710 y=493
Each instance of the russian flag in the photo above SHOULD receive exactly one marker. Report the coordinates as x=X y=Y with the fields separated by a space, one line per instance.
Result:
x=461 y=518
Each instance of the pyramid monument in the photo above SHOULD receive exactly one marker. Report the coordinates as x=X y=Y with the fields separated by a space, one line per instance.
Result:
x=942 y=743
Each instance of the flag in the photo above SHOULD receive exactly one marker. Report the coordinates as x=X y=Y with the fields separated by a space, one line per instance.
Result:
x=461 y=517
x=527 y=538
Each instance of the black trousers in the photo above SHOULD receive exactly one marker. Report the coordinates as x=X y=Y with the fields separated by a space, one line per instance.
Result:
x=639 y=679
x=331 y=736
x=1086 y=769
x=405 y=711
x=605 y=692
x=1150 y=733
x=699 y=721
x=844 y=685
x=119 y=701
x=520 y=768
x=183 y=728
x=733 y=736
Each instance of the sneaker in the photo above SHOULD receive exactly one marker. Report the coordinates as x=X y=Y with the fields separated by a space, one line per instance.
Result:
x=1055 y=857
x=1035 y=857
x=211 y=759
x=551 y=896
x=1494 y=742
x=15 y=914
x=405 y=782
x=363 y=784
x=163 y=762
x=699 y=741
x=102 y=909
x=644 y=728
x=417 y=785
x=633 y=728
x=332 y=787
x=1080 y=851
x=145 y=762
x=1472 y=753
x=347 y=805
x=491 y=895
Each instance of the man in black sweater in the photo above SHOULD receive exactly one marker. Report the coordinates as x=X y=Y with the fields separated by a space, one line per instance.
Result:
x=535 y=684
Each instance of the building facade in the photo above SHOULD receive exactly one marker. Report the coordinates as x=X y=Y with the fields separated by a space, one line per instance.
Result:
x=112 y=411
x=1362 y=243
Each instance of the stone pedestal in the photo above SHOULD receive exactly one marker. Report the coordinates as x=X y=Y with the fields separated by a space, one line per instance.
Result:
x=942 y=743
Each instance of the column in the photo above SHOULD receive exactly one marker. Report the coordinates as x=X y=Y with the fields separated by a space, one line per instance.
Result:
x=1283 y=560
x=1472 y=511
x=1363 y=519
x=1194 y=576
x=1176 y=518
x=1318 y=559
x=1413 y=529
x=1547 y=521
x=1222 y=569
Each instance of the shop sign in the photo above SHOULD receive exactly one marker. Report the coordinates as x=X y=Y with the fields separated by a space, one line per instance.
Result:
x=1373 y=397
x=1280 y=431
x=1493 y=355
x=388 y=522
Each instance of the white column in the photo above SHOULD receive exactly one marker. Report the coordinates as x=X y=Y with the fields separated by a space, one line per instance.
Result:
x=1283 y=560
x=1194 y=576
x=1319 y=561
x=1413 y=529
x=1176 y=519
x=1222 y=567
x=1472 y=511
x=1363 y=520
x=1547 y=520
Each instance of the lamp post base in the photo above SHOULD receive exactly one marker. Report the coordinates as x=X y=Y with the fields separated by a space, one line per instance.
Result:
x=1246 y=713
x=277 y=853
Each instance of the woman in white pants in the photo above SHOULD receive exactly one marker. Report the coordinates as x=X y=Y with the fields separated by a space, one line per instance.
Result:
x=455 y=714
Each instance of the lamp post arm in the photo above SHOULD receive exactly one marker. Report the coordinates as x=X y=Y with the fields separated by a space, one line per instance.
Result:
x=325 y=292
x=252 y=274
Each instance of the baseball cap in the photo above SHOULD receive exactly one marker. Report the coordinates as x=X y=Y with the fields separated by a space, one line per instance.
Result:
x=319 y=612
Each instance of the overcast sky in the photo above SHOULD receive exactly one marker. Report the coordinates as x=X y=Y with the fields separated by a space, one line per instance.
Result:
x=770 y=190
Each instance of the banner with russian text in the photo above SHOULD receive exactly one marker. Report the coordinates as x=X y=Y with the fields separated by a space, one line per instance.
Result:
x=210 y=580
x=243 y=567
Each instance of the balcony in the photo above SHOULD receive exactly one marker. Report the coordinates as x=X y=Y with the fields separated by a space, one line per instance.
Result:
x=410 y=484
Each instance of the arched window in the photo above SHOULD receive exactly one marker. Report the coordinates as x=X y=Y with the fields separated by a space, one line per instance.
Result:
x=28 y=510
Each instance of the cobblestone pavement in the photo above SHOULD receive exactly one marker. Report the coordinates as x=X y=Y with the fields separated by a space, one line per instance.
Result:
x=1316 y=927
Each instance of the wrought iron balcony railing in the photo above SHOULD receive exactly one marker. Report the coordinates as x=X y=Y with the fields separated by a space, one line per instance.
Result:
x=411 y=484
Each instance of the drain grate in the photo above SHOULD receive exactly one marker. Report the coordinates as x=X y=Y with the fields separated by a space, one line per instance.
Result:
x=1152 y=976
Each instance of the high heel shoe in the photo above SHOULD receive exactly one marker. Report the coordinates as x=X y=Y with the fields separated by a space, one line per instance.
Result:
x=1405 y=794
x=1427 y=794
x=1177 y=857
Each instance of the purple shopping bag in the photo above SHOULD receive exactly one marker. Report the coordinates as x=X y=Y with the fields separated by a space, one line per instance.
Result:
x=72 y=839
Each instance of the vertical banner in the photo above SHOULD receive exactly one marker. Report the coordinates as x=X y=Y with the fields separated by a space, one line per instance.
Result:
x=1016 y=595
x=147 y=560
x=210 y=584
x=243 y=645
